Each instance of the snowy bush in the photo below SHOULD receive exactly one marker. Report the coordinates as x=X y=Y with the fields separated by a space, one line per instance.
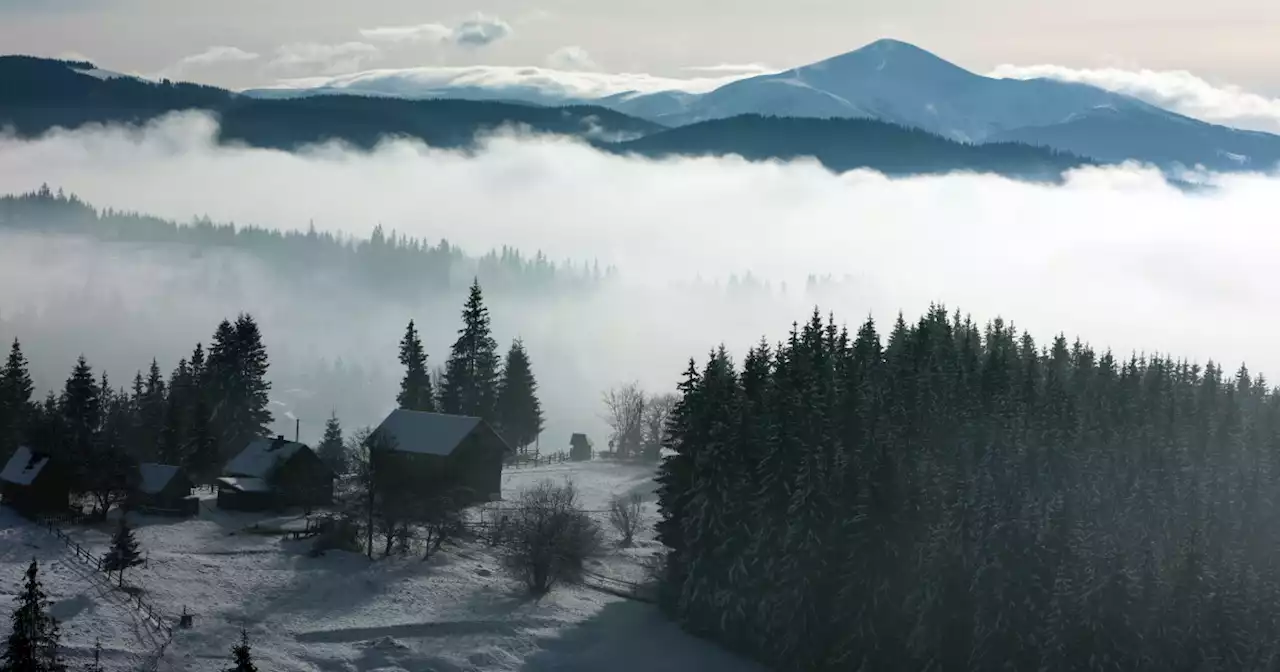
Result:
x=549 y=538
x=625 y=516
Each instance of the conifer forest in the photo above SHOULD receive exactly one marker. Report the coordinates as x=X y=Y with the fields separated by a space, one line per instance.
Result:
x=959 y=497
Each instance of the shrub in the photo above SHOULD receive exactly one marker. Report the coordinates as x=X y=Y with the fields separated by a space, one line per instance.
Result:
x=625 y=515
x=549 y=538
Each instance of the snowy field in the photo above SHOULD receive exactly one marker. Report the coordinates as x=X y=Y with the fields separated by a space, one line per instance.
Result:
x=342 y=613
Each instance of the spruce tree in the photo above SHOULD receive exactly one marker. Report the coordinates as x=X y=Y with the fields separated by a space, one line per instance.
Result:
x=236 y=374
x=16 y=389
x=331 y=449
x=124 y=551
x=416 y=393
x=470 y=385
x=81 y=406
x=242 y=655
x=519 y=413
x=34 y=637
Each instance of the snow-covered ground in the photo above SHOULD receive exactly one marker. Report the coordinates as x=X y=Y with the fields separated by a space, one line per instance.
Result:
x=340 y=612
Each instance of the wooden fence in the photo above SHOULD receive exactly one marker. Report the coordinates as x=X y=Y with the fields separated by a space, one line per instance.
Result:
x=154 y=619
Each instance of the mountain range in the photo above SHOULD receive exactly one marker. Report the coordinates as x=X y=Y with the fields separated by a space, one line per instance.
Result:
x=37 y=95
x=892 y=81
x=915 y=113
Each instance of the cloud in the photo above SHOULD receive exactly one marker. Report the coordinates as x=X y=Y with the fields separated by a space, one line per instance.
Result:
x=481 y=30
x=1114 y=256
x=550 y=84
x=571 y=58
x=1176 y=90
x=478 y=30
x=208 y=57
x=330 y=59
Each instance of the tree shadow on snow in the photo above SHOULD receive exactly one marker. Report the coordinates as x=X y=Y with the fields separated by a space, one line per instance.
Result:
x=627 y=636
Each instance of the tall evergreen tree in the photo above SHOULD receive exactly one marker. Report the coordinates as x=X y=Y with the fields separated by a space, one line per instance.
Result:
x=519 y=413
x=124 y=551
x=237 y=383
x=151 y=410
x=34 y=637
x=416 y=393
x=16 y=389
x=242 y=655
x=332 y=450
x=81 y=406
x=470 y=385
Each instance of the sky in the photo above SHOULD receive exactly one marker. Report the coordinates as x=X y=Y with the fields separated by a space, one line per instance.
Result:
x=246 y=43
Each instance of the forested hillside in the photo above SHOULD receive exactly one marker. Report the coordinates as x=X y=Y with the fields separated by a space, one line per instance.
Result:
x=963 y=498
x=37 y=95
x=387 y=262
x=848 y=144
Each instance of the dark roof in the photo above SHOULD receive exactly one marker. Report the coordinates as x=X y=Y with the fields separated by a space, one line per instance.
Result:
x=23 y=466
x=430 y=433
x=155 y=477
x=579 y=438
x=261 y=457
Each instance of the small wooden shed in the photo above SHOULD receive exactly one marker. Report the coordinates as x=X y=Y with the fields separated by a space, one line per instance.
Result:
x=163 y=489
x=579 y=448
x=275 y=474
x=457 y=454
x=35 y=483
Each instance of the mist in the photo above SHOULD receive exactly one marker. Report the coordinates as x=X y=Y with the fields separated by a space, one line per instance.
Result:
x=1115 y=256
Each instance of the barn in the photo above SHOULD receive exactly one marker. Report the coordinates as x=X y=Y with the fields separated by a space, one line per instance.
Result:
x=163 y=489
x=35 y=483
x=275 y=474
x=458 y=454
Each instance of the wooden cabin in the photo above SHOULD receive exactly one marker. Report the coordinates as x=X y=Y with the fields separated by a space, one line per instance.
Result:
x=35 y=483
x=275 y=474
x=163 y=489
x=579 y=448
x=455 y=454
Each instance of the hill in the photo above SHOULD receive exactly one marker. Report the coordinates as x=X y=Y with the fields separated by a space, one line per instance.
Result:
x=848 y=144
x=37 y=95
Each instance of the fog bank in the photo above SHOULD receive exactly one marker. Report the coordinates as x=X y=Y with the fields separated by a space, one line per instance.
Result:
x=1114 y=256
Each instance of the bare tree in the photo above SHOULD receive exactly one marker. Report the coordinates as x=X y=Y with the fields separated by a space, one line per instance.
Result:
x=550 y=537
x=625 y=516
x=624 y=411
x=657 y=411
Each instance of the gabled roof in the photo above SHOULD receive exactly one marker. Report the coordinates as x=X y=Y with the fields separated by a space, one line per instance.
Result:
x=429 y=433
x=155 y=477
x=245 y=484
x=261 y=457
x=23 y=466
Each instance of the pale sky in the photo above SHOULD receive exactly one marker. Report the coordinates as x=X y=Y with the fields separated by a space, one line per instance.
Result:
x=242 y=43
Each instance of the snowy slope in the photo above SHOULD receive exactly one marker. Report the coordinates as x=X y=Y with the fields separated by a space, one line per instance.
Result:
x=340 y=612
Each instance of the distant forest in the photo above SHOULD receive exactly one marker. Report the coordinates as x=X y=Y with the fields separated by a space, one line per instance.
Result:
x=387 y=262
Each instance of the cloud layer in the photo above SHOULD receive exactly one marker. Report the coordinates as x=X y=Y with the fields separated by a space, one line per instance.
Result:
x=209 y=57
x=328 y=58
x=1176 y=90
x=1115 y=256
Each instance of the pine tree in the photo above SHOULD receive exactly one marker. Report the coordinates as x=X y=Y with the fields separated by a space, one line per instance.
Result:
x=16 y=389
x=470 y=384
x=81 y=406
x=124 y=551
x=242 y=655
x=519 y=413
x=237 y=384
x=151 y=410
x=416 y=393
x=34 y=638
x=332 y=450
